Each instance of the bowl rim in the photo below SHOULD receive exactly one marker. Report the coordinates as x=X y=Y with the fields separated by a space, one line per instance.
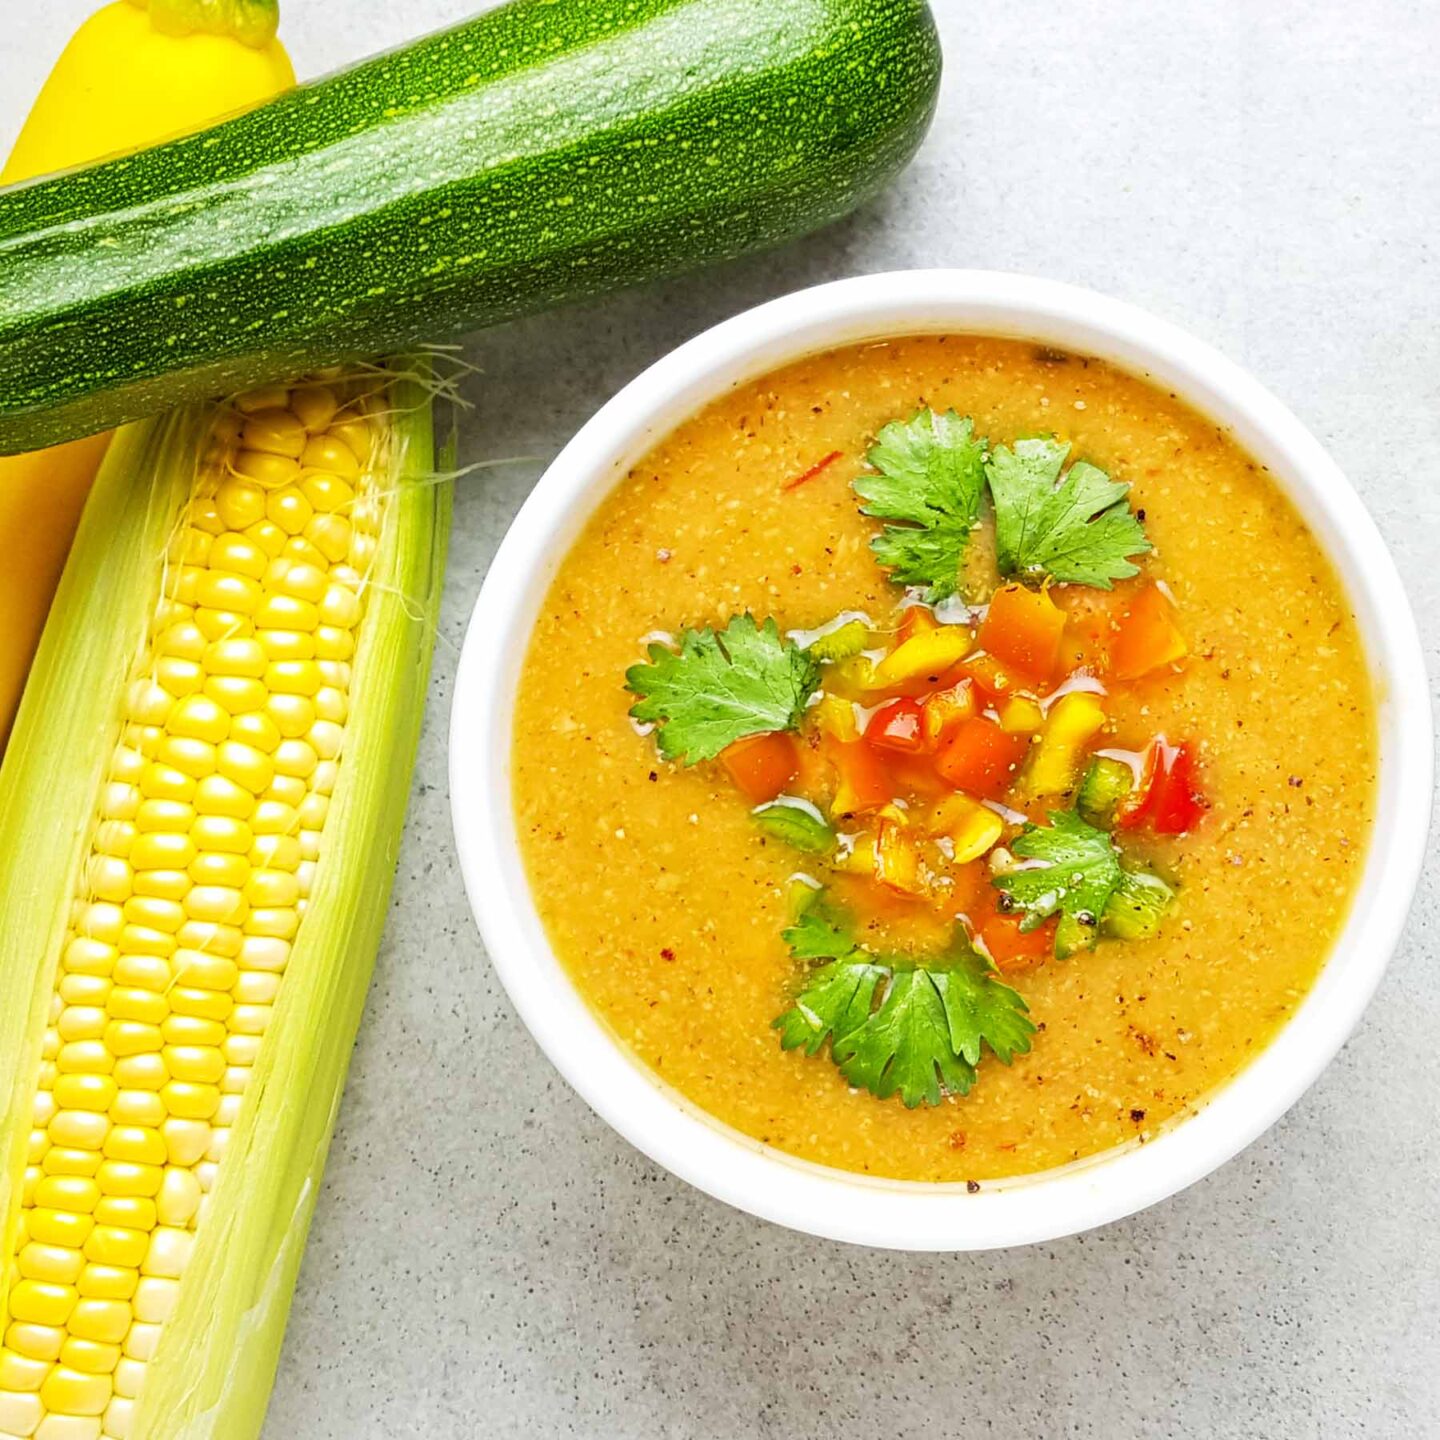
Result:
x=668 y=1127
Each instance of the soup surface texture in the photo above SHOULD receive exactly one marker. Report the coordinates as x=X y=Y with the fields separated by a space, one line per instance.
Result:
x=667 y=903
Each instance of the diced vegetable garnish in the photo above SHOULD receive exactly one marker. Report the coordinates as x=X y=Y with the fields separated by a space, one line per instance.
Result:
x=1168 y=799
x=981 y=758
x=862 y=782
x=1020 y=715
x=808 y=474
x=943 y=710
x=926 y=1037
x=1138 y=906
x=897 y=860
x=1147 y=637
x=990 y=677
x=798 y=823
x=1010 y=945
x=842 y=643
x=1107 y=782
x=927 y=655
x=761 y=765
x=970 y=827
x=721 y=686
x=1078 y=529
x=897 y=726
x=1023 y=629
x=1054 y=765
x=929 y=477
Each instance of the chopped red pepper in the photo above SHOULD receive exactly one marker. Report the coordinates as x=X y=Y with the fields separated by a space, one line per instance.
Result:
x=813 y=471
x=981 y=758
x=897 y=725
x=1010 y=947
x=1022 y=629
x=762 y=765
x=1168 y=797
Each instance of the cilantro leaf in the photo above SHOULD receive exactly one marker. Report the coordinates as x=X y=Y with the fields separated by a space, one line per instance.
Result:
x=1077 y=870
x=721 y=686
x=925 y=1039
x=929 y=476
x=1078 y=529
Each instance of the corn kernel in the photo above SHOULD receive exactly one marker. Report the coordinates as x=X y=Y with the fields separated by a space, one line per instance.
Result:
x=268 y=537
x=115 y=837
x=111 y=878
x=118 y=1418
x=107 y=1321
x=199 y=970
x=137 y=1107
x=143 y=972
x=229 y=1111
x=217 y=940
x=90 y=1356
x=68 y=1228
x=142 y=1072
x=237 y=1077
x=217 y=867
x=164 y=782
x=264 y=952
x=20 y=1374
x=128 y=1375
x=38 y=1302
x=296 y=757
x=72 y=1392
x=119 y=801
x=288 y=790
x=223 y=624
x=274 y=924
x=66 y=1160
x=194 y=1064
x=154 y=914
x=140 y=1340
x=91 y=956
x=127 y=1038
x=20 y=1414
x=218 y=795
x=81 y=1022
x=293 y=715
x=162 y=884
x=53 y=1264
x=81 y=1129
x=334 y=643
x=185 y=1140
x=187 y=1030
x=155 y=1299
x=107 y=1282
x=275 y=432
x=129 y=1212
x=236 y=694
x=86 y=1092
x=44 y=1108
x=117 y=1245
x=137 y=1145
x=177 y=1202
x=89 y=1057
x=211 y=1006
x=240 y=502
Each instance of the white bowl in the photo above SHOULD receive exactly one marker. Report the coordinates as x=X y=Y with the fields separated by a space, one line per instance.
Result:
x=654 y=1117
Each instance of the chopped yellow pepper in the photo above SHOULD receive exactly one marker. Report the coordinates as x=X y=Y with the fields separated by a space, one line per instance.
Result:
x=925 y=655
x=972 y=828
x=1072 y=723
x=1021 y=715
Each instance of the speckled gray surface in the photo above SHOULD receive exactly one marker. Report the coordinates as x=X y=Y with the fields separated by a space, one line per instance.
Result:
x=489 y=1259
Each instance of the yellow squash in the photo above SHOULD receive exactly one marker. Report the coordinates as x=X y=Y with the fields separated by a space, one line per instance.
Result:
x=132 y=75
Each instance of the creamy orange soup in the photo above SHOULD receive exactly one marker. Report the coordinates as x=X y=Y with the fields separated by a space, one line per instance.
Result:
x=667 y=904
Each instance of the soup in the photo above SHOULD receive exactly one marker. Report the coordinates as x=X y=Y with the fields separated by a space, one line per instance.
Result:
x=945 y=759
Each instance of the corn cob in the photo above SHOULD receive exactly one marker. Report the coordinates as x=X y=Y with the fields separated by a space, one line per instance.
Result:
x=199 y=817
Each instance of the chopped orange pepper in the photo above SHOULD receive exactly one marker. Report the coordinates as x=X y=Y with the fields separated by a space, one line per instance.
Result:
x=981 y=758
x=915 y=621
x=1147 y=637
x=990 y=677
x=1022 y=630
x=1010 y=947
x=762 y=765
x=863 y=781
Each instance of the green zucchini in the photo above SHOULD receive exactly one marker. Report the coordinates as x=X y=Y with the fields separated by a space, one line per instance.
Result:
x=538 y=154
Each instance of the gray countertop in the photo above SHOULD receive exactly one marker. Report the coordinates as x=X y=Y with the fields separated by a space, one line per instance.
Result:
x=489 y=1258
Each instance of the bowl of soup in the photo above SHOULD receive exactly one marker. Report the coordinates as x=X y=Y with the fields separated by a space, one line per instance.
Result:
x=941 y=760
